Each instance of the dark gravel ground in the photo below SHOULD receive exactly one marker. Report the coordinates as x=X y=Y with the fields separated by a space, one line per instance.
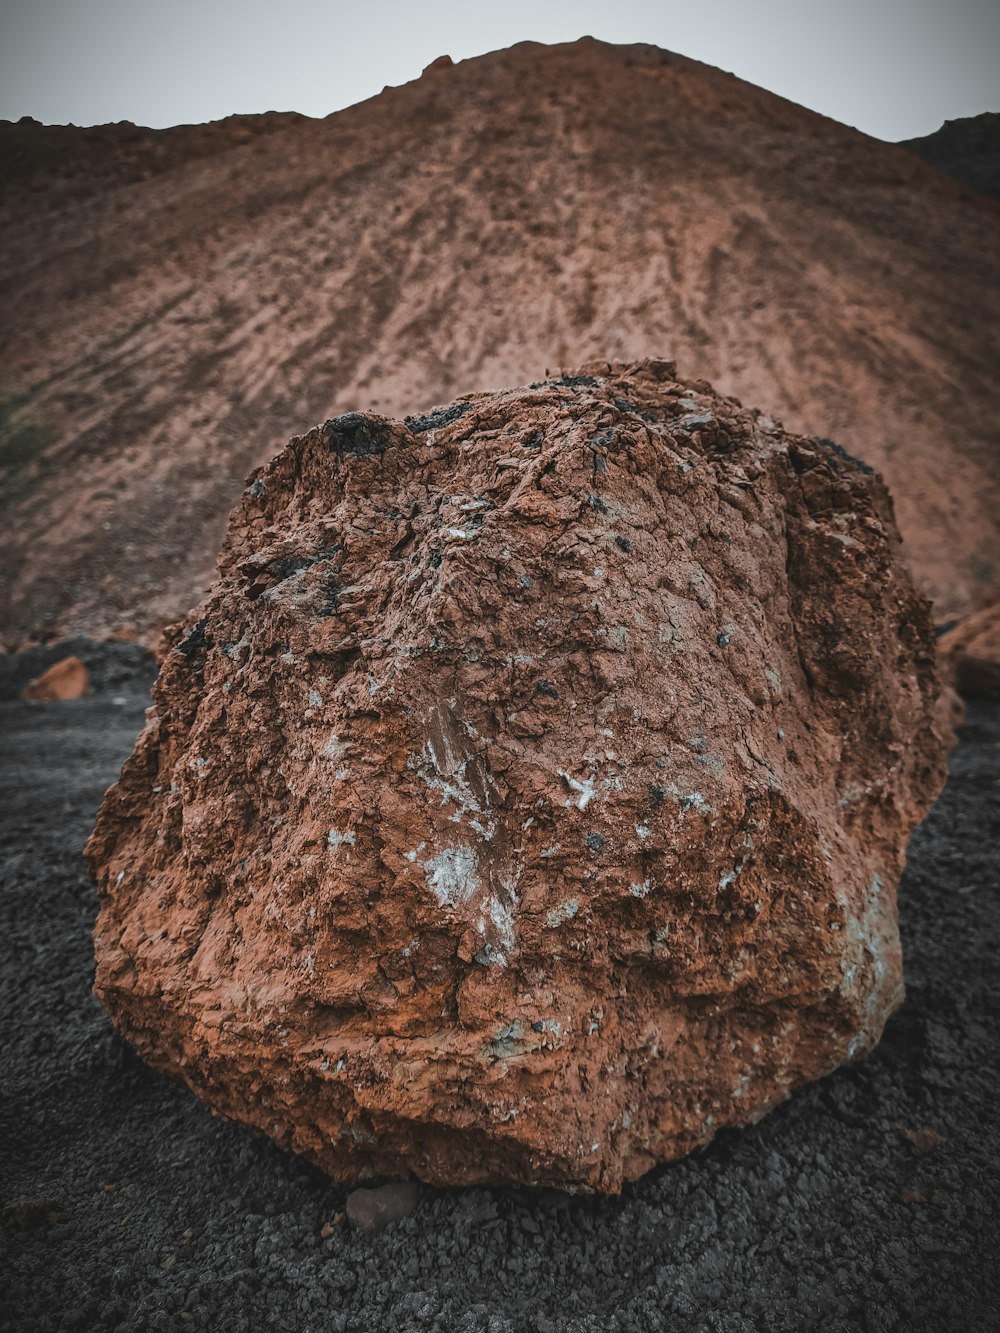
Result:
x=822 y=1217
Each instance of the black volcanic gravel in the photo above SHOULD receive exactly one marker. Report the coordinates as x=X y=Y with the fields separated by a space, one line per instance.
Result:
x=822 y=1217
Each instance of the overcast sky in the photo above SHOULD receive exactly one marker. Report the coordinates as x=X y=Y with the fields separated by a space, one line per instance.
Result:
x=894 y=68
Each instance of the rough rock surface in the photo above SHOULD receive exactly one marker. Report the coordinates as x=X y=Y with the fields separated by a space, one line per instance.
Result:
x=527 y=799
x=971 y=650
x=66 y=679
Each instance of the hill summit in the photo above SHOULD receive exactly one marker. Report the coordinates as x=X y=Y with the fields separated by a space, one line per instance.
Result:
x=178 y=302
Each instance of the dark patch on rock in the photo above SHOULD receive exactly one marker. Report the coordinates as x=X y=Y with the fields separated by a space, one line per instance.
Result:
x=194 y=641
x=262 y=575
x=331 y=597
x=841 y=452
x=358 y=434
x=443 y=416
x=624 y=405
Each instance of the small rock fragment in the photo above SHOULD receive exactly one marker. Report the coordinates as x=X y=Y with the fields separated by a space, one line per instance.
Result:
x=372 y=1209
x=68 y=679
x=922 y=1141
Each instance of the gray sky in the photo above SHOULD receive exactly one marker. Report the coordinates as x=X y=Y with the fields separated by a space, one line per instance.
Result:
x=894 y=68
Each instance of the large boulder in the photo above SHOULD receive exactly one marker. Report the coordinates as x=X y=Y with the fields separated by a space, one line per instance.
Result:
x=526 y=802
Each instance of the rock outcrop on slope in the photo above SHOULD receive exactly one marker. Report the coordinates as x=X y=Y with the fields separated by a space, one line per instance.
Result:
x=175 y=302
x=526 y=801
x=970 y=651
x=967 y=149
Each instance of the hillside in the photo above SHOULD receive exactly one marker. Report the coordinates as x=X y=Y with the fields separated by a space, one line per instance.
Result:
x=177 y=303
x=967 y=149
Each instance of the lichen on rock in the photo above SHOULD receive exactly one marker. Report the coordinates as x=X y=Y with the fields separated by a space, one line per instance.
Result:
x=527 y=799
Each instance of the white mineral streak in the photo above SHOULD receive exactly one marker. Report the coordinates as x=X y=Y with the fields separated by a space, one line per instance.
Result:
x=453 y=875
x=584 y=790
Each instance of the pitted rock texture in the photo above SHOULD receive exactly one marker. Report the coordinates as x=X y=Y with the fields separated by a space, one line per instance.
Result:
x=527 y=799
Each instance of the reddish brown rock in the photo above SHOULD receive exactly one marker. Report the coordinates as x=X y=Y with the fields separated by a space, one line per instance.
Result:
x=971 y=652
x=67 y=679
x=527 y=799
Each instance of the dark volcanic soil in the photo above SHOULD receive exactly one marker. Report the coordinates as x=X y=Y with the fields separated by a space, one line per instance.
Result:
x=822 y=1217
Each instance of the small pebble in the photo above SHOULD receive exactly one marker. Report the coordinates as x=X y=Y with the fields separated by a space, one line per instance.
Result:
x=922 y=1141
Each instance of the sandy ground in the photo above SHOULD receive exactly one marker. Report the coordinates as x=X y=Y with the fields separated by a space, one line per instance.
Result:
x=822 y=1217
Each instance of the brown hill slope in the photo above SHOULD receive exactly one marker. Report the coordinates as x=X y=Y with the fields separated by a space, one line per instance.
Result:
x=67 y=162
x=967 y=149
x=166 y=330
